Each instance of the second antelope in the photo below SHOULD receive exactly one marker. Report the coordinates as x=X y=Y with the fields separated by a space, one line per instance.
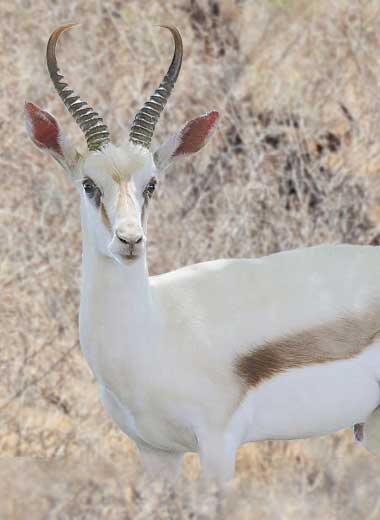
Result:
x=221 y=353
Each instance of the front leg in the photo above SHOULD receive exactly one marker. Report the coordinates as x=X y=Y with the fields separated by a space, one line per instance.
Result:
x=217 y=452
x=371 y=433
x=160 y=464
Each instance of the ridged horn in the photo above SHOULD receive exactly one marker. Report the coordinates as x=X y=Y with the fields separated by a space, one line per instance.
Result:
x=89 y=121
x=146 y=119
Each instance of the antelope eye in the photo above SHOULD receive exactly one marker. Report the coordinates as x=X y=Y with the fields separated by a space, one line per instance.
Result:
x=150 y=187
x=89 y=187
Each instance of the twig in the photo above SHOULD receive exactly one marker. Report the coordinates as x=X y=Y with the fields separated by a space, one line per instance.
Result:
x=37 y=380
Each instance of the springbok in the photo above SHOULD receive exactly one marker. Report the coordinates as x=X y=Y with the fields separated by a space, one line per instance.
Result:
x=219 y=353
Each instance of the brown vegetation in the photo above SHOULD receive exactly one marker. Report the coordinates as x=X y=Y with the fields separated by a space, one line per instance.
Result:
x=295 y=162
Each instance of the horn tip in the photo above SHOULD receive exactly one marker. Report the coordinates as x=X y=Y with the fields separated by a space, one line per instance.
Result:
x=172 y=28
x=59 y=30
x=69 y=25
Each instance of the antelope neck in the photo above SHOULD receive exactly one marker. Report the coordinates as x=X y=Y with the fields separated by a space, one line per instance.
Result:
x=116 y=304
x=125 y=287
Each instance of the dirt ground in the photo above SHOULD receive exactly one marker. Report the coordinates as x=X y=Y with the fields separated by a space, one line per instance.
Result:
x=295 y=162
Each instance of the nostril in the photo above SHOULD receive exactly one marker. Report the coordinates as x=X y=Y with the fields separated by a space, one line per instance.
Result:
x=122 y=239
x=130 y=240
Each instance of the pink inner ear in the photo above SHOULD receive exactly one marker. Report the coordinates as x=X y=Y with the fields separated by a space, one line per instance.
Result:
x=196 y=132
x=44 y=128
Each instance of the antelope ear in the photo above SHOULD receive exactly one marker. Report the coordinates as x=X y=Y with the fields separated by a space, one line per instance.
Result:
x=48 y=136
x=187 y=140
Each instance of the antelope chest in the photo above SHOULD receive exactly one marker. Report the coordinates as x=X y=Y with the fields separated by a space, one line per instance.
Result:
x=154 y=422
x=139 y=395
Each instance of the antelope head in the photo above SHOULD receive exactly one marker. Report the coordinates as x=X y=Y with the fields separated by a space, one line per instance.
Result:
x=115 y=182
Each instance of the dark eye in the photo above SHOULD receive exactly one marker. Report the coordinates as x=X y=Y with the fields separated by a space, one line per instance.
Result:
x=150 y=187
x=92 y=191
x=89 y=187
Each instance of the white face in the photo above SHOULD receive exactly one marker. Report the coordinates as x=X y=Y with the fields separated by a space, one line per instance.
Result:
x=116 y=185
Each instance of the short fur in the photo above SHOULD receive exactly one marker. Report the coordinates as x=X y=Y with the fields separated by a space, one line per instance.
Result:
x=163 y=349
x=194 y=133
x=343 y=338
x=371 y=433
x=45 y=128
x=122 y=162
x=105 y=217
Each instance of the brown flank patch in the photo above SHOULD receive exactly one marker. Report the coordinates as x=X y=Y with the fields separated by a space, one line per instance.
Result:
x=341 y=339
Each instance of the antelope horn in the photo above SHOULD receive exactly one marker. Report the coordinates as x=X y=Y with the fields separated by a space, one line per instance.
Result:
x=89 y=121
x=146 y=119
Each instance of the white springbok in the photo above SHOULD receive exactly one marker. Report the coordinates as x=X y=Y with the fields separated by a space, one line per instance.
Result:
x=220 y=353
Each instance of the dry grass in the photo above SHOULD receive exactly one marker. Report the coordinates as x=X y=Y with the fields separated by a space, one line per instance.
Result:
x=295 y=162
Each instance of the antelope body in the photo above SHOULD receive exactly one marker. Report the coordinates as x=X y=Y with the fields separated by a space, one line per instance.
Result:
x=220 y=353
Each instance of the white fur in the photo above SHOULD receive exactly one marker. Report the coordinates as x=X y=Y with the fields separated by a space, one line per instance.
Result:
x=371 y=439
x=163 y=348
x=163 y=157
x=313 y=400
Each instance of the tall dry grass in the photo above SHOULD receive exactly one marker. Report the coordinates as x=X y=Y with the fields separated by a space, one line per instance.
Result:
x=295 y=162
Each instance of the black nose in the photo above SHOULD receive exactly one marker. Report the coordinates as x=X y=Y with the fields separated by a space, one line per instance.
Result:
x=130 y=240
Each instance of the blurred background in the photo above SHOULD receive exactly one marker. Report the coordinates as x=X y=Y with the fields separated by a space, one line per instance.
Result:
x=295 y=161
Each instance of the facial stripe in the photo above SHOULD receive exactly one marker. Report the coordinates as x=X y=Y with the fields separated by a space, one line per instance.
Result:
x=105 y=217
x=341 y=339
x=144 y=214
x=128 y=211
x=116 y=177
x=125 y=200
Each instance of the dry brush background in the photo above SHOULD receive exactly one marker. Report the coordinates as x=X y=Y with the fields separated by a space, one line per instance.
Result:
x=295 y=162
